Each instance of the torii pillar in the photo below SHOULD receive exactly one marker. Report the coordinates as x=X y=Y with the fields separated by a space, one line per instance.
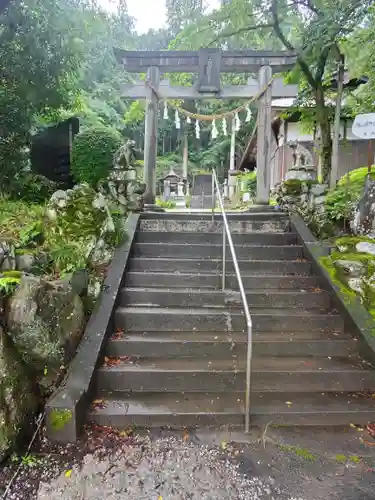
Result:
x=151 y=135
x=264 y=136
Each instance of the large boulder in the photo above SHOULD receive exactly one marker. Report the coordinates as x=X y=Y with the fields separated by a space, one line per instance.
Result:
x=18 y=398
x=46 y=321
x=363 y=220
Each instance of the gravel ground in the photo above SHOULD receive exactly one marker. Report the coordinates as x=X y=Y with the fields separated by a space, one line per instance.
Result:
x=165 y=468
x=107 y=464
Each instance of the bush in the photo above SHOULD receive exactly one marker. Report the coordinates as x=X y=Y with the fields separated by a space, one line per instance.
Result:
x=32 y=188
x=251 y=183
x=165 y=204
x=341 y=201
x=93 y=151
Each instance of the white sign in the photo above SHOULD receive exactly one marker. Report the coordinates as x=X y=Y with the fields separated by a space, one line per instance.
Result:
x=364 y=126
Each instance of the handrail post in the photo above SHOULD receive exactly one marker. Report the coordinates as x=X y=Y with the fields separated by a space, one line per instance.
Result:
x=248 y=377
x=213 y=196
x=224 y=256
x=227 y=236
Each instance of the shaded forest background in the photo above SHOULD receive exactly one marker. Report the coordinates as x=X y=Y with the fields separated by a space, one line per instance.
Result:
x=57 y=61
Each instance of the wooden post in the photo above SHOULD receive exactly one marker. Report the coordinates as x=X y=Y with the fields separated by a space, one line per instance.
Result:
x=370 y=155
x=232 y=160
x=185 y=154
x=336 y=127
x=264 y=138
x=151 y=130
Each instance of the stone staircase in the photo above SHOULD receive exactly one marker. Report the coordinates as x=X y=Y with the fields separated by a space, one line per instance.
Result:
x=177 y=356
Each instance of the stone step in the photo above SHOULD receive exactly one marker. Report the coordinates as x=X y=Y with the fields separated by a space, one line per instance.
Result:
x=144 y=319
x=182 y=297
x=205 y=225
x=190 y=409
x=212 y=281
x=257 y=213
x=201 y=202
x=215 y=238
x=204 y=251
x=219 y=345
x=269 y=374
x=260 y=267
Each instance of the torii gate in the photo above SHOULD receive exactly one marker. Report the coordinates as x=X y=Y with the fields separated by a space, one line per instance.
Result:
x=208 y=63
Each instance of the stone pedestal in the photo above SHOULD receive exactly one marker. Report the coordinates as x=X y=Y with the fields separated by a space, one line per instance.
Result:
x=226 y=189
x=167 y=190
x=232 y=185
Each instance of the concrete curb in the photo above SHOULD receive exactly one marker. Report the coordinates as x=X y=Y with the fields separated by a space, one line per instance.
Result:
x=66 y=409
x=357 y=319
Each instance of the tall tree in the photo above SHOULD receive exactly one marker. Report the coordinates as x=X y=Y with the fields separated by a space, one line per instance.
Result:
x=313 y=29
x=40 y=54
x=180 y=13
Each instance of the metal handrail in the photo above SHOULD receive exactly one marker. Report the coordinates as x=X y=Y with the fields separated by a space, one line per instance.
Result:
x=249 y=323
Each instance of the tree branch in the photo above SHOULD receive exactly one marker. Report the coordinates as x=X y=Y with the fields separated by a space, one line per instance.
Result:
x=241 y=30
x=322 y=64
x=289 y=46
x=307 y=4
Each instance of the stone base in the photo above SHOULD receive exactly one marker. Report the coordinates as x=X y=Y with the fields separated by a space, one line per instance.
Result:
x=180 y=202
x=152 y=207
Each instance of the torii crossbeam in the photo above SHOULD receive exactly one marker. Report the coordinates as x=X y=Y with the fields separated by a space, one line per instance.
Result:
x=208 y=63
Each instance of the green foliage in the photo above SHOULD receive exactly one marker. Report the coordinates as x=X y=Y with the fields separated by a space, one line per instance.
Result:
x=38 y=72
x=93 y=151
x=165 y=204
x=8 y=284
x=31 y=234
x=342 y=199
x=17 y=219
x=32 y=188
x=360 y=57
x=293 y=187
x=250 y=179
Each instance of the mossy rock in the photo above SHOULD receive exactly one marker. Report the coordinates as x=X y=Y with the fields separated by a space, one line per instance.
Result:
x=18 y=398
x=59 y=418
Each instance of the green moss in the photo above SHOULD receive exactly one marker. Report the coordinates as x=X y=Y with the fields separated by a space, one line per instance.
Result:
x=342 y=459
x=355 y=256
x=355 y=459
x=300 y=452
x=59 y=418
x=351 y=241
x=328 y=264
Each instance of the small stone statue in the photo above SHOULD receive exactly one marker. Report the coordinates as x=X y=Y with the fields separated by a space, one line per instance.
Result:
x=122 y=187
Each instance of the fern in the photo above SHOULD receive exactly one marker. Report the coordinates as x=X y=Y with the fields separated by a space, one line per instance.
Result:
x=8 y=284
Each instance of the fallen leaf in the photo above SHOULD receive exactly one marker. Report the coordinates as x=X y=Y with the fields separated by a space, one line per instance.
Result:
x=289 y=403
x=45 y=371
x=367 y=443
x=97 y=402
x=371 y=429
x=185 y=437
x=160 y=497
x=223 y=445
x=353 y=426
x=106 y=359
x=68 y=473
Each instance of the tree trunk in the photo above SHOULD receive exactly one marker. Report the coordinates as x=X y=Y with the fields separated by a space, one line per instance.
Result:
x=322 y=118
